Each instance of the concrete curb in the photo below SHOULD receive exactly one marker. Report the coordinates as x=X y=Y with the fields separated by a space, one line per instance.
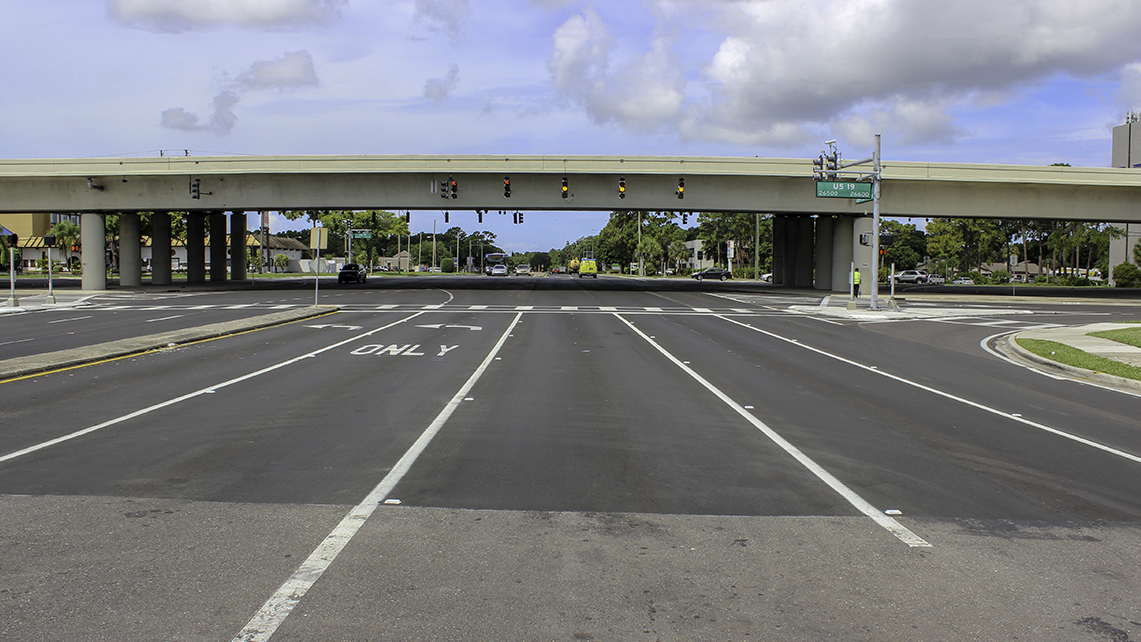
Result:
x=1009 y=346
x=34 y=364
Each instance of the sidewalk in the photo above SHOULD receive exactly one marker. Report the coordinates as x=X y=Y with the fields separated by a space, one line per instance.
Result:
x=33 y=300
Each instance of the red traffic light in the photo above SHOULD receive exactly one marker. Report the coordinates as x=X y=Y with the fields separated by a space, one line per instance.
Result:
x=506 y=187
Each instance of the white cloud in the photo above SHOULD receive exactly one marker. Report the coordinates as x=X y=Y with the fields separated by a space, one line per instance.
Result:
x=185 y=15
x=293 y=69
x=447 y=16
x=289 y=71
x=785 y=72
x=438 y=88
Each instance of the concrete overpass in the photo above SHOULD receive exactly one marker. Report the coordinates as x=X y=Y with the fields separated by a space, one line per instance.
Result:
x=809 y=250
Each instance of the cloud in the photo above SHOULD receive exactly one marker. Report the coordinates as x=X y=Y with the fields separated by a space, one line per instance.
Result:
x=781 y=73
x=447 y=16
x=438 y=88
x=643 y=94
x=289 y=71
x=175 y=16
x=221 y=122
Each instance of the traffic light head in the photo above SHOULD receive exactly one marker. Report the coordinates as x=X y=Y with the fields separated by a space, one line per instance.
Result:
x=520 y=218
x=453 y=187
x=685 y=218
x=566 y=187
x=506 y=187
x=445 y=217
x=681 y=188
x=622 y=187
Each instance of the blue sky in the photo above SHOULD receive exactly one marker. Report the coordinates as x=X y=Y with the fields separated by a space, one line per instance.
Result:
x=1017 y=81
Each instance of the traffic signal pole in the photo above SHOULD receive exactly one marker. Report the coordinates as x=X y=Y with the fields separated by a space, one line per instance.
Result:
x=875 y=287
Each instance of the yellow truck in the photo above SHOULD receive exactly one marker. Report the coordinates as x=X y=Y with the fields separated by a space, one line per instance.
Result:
x=587 y=267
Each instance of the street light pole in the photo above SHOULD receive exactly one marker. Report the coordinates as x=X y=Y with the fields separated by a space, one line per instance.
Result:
x=875 y=305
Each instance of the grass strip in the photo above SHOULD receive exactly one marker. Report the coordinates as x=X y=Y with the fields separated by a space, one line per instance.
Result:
x=1071 y=356
x=1128 y=336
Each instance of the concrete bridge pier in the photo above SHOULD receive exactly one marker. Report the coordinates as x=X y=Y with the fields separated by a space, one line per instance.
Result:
x=238 y=262
x=93 y=259
x=160 y=248
x=130 y=250
x=217 y=246
x=195 y=247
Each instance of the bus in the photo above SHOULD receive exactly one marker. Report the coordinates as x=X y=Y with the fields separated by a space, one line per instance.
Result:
x=493 y=259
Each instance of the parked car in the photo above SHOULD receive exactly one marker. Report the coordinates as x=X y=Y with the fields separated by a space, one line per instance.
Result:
x=498 y=269
x=712 y=273
x=913 y=277
x=352 y=272
x=963 y=280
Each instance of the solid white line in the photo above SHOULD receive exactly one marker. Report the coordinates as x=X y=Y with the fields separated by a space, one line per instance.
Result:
x=985 y=344
x=165 y=318
x=72 y=319
x=263 y=624
x=191 y=395
x=973 y=404
x=860 y=504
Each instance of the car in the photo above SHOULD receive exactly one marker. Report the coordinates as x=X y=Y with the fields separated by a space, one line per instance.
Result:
x=498 y=269
x=586 y=268
x=963 y=280
x=523 y=270
x=935 y=279
x=713 y=273
x=352 y=272
x=913 y=277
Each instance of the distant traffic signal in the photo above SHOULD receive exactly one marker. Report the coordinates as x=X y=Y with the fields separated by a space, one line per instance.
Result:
x=566 y=187
x=453 y=187
x=445 y=217
x=506 y=187
x=685 y=218
x=480 y=213
x=520 y=218
x=622 y=187
x=681 y=188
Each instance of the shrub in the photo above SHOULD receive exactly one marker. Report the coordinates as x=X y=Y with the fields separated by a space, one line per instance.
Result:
x=1001 y=276
x=1127 y=275
x=448 y=266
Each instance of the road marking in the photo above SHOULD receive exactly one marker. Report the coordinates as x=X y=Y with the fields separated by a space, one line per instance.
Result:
x=176 y=316
x=16 y=341
x=860 y=504
x=71 y=319
x=519 y=308
x=191 y=395
x=263 y=624
x=569 y=308
x=387 y=306
x=477 y=307
x=974 y=404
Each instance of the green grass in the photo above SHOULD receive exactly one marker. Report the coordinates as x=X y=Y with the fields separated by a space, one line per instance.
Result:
x=1128 y=336
x=1070 y=356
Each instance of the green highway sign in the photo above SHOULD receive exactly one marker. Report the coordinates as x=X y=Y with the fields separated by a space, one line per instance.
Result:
x=828 y=189
x=362 y=234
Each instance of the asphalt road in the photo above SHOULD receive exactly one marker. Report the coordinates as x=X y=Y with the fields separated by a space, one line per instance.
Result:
x=552 y=459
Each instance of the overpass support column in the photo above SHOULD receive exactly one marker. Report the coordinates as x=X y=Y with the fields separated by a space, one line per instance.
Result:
x=805 y=233
x=160 y=248
x=780 y=230
x=195 y=248
x=841 y=252
x=862 y=255
x=130 y=250
x=238 y=246
x=824 y=225
x=217 y=246
x=93 y=256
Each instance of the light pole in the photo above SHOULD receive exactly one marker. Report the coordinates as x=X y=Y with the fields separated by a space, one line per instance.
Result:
x=49 y=243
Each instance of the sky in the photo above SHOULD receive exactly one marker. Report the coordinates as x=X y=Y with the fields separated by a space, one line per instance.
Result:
x=981 y=81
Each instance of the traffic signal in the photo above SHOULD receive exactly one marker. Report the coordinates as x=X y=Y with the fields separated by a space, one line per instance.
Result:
x=622 y=187
x=520 y=218
x=453 y=187
x=685 y=218
x=681 y=188
x=408 y=217
x=515 y=218
x=74 y=247
x=444 y=188
x=506 y=187
x=13 y=240
x=480 y=213
x=818 y=167
x=566 y=187
x=832 y=164
x=445 y=217
x=196 y=189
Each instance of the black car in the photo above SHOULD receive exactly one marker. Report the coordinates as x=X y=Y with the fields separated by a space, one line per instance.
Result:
x=713 y=273
x=352 y=272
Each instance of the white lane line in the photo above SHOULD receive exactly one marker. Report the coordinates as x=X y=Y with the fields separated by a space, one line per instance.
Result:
x=5 y=343
x=191 y=395
x=860 y=504
x=165 y=318
x=263 y=624
x=974 y=404
x=71 y=319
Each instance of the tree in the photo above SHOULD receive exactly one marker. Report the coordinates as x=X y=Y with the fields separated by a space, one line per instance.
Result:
x=66 y=234
x=281 y=262
x=908 y=246
x=1127 y=275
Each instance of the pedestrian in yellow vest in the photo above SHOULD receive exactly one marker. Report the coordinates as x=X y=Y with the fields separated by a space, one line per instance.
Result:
x=856 y=281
